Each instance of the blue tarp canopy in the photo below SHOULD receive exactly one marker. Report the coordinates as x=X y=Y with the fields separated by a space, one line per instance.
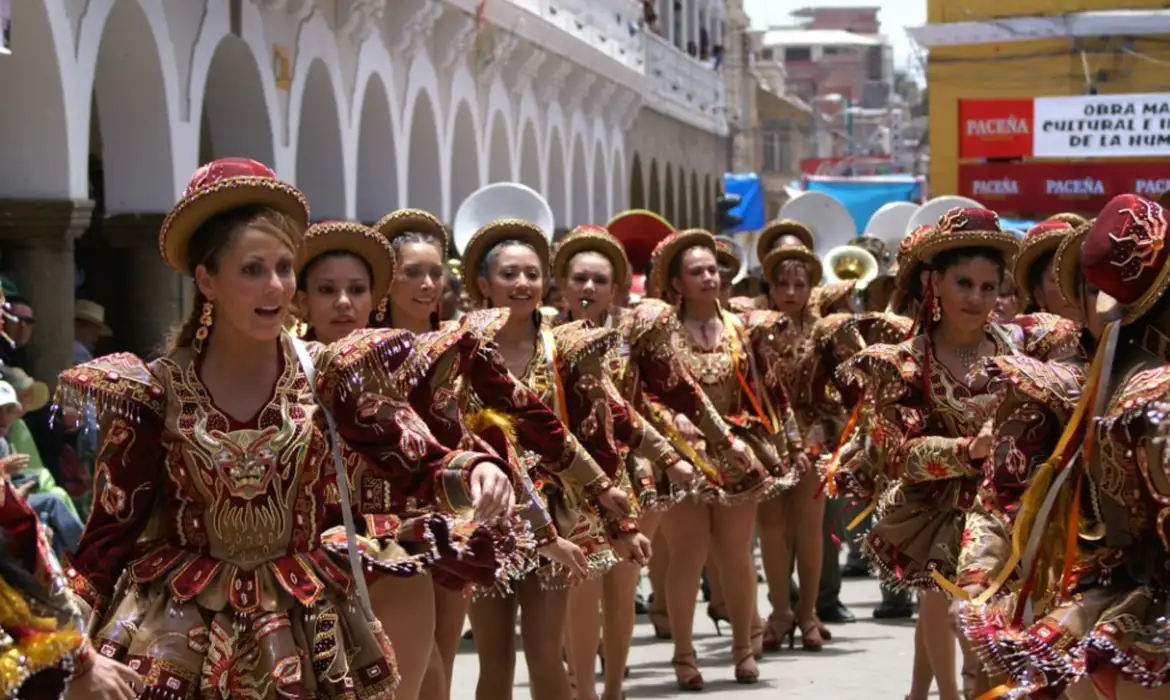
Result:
x=751 y=200
x=862 y=196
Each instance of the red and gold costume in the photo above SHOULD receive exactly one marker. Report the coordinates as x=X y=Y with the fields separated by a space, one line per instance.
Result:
x=644 y=454
x=568 y=452
x=42 y=636
x=920 y=421
x=1101 y=612
x=736 y=391
x=202 y=562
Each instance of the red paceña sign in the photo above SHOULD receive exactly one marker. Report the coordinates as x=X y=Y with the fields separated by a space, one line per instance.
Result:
x=1042 y=188
x=995 y=128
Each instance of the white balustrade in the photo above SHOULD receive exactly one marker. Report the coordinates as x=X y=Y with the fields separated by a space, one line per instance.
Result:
x=684 y=87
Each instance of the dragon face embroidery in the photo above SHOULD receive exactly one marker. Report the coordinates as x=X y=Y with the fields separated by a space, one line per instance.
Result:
x=247 y=460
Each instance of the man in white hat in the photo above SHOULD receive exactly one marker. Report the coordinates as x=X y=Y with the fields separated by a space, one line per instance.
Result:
x=89 y=326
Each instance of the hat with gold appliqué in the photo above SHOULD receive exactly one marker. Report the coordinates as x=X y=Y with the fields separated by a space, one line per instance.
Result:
x=403 y=221
x=219 y=187
x=775 y=230
x=353 y=238
x=665 y=253
x=595 y=239
x=1125 y=253
x=1067 y=262
x=1043 y=238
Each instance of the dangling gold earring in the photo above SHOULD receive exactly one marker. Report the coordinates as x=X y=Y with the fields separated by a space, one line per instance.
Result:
x=936 y=314
x=380 y=316
x=204 y=330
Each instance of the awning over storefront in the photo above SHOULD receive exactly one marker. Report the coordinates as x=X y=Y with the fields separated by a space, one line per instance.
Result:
x=1056 y=26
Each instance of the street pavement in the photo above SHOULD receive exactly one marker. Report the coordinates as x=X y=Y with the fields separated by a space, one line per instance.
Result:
x=866 y=659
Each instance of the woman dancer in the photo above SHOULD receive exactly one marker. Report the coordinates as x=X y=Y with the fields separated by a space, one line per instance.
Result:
x=420 y=244
x=1096 y=578
x=1034 y=272
x=342 y=269
x=793 y=522
x=591 y=266
x=928 y=423
x=509 y=259
x=210 y=495
x=713 y=347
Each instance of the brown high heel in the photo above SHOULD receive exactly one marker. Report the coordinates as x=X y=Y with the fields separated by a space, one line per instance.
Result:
x=661 y=625
x=826 y=633
x=687 y=662
x=772 y=639
x=745 y=676
x=810 y=636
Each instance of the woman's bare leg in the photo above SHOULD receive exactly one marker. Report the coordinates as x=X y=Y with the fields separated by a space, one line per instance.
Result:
x=617 y=629
x=921 y=677
x=450 y=614
x=939 y=637
x=806 y=528
x=583 y=633
x=542 y=627
x=687 y=529
x=772 y=521
x=406 y=608
x=493 y=622
x=659 y=564
x=731 y=530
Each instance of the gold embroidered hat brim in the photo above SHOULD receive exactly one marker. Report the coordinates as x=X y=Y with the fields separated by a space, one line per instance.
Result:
x=356 y=239
x=773 y=231
x=199 y=206
x=676 y=245
x=402 y=221
x=1068 y=260
x=934 y=243
x=1139 y=308
x=597 y=240
x=488 y=236
x=1068 y=217
x=1030 y=250
x=731 y=260
x=793 y=252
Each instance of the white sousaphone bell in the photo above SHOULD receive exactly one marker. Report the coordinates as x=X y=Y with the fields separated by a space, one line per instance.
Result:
x=887 y=226
x=833 y=230
x=500 y=200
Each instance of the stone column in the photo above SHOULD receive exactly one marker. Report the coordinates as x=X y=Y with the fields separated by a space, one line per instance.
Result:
x=150 y=294
x=37 y=238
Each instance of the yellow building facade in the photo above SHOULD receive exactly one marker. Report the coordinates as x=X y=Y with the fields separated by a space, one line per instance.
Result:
x=1025 y=69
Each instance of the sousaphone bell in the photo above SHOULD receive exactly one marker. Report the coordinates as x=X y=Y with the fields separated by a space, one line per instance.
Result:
x=500 y=200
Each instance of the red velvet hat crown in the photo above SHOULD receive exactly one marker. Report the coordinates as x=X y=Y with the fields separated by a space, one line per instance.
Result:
x=639 y=231
x=1045 y=227
x=966 y=227
x=1125 y=253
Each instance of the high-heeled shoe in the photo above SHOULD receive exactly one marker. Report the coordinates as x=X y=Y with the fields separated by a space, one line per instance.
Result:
x=716 y=617
x=775 y=631
x=810 y=635
x=687 y=662
x=745 y=676
x=661 y=625
x=826 y=633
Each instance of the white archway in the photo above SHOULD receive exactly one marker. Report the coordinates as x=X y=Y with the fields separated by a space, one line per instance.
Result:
x=235 y=119
x=619 y=190
x=132 y=120
x=424 y=186
x=601 y=210
x=464 y=154
x=557 y=190
x=530 y=170
x=35 y=155
x=377 y=154
x=499 y=150
x=580 y=186
x=320 y=157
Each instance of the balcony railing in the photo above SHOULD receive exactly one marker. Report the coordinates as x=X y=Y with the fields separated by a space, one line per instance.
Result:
x=610 y=26
x=683 y=87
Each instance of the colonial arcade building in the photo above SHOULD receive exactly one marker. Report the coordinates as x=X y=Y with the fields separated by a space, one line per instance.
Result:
x=367 y=105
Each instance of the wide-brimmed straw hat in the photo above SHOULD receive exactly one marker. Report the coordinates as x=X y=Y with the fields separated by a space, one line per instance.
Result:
x=93 y=312
x=486 y=238
x=775 y=230
x=1067 y=262
x=727 y=252
x=793 y=251
x=1044 y=237
x=356 y=239
x=1126 y=253
x=671 y=247
x=221 y=186
x=403 y=221
x=1072 y=219
x=966 y=228
x=594 y=239
x=906 y=267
